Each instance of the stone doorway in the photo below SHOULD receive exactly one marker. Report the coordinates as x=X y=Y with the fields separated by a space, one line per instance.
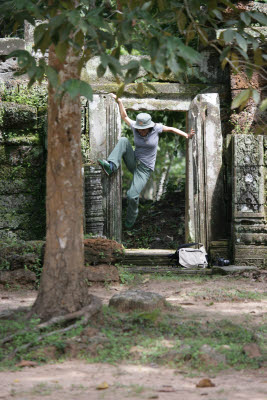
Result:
x=205 y=209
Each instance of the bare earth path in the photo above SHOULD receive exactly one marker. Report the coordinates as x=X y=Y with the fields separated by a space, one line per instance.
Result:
x=214 y=299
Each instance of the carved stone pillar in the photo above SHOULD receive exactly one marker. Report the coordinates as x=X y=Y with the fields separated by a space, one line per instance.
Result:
x=104 y=132
x=93 y=197
x=249 y=224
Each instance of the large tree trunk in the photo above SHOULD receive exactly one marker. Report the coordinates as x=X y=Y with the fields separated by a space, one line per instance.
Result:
x=63 y=288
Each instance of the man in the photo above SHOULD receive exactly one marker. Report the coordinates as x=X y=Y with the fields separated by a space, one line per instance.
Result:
x=141 y=161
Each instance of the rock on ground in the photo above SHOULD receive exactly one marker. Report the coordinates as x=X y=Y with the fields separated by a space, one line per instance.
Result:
x=131 y=300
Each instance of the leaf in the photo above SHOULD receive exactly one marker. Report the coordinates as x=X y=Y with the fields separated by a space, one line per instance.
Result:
x=52 y=76
x=75 y=87
x=234 y=59
x=245 y=18
x=258 y=57
x=225 y=53
x=241 y=42
x=100 y=71
x=173 y=64
x=146 y=6
x=260 y=17
x=61 y=50
x=181 y=21
x=23 y=56
x=189 y=54
x=256 y=96
x=39 y=33
x=228 y=35
x=218 y=14
x=263 y=105
x=102 y=386
x=241 y=98
x=190 y=33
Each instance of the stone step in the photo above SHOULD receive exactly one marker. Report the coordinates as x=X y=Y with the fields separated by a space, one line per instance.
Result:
x=146 y=261
x=153 y=257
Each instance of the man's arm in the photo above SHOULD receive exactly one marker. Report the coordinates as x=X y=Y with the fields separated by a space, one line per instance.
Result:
x=179 y=132
x=123 y=112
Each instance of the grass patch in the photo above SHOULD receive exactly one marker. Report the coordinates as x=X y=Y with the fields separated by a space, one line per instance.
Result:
x=161 y=338
x=227 y=294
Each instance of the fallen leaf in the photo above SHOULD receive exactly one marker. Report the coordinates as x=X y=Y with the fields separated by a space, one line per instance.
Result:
x=167 y=388
x=205 y=383
x=102 y=386
x=4 y=297
x=26 y=363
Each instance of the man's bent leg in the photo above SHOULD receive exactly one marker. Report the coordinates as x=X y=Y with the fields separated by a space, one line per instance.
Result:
x=123 y=149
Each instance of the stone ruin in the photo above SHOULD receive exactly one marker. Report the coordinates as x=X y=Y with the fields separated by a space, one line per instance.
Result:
x=226 y=170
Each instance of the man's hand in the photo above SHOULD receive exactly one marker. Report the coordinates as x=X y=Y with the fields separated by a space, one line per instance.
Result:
x=114 y=97
x=191 y=134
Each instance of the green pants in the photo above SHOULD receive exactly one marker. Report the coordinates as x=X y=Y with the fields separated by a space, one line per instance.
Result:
x=141 y=174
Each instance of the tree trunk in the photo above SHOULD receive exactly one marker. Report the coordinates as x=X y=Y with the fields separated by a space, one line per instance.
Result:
x=63 y=288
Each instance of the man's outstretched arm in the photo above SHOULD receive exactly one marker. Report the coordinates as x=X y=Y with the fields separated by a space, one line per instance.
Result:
x=123 y=112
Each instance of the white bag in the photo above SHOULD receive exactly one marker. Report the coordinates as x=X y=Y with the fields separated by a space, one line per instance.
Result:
x=192 y=258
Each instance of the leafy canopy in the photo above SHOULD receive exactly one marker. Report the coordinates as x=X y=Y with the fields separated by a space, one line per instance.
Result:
x=167 y=33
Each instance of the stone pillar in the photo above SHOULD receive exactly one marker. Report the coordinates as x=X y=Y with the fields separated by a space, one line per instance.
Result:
x=249 y=228
x=205 y=212
x=104 y=132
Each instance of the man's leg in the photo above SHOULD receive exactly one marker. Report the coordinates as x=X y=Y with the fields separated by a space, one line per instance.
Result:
x=140 y=178
x=123 y=149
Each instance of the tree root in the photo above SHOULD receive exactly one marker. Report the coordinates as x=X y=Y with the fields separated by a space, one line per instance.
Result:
x=86 y=312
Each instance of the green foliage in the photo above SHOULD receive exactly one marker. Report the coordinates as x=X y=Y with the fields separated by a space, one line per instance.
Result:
x=35 y=96
x=168 y=32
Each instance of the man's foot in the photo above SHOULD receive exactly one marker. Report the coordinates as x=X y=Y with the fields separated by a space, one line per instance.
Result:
x=105 y=166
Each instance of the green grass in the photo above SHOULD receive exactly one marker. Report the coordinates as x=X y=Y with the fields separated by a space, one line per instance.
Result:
x=167 y=338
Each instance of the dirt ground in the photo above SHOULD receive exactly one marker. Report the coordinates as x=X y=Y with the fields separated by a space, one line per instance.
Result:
x=205 y=300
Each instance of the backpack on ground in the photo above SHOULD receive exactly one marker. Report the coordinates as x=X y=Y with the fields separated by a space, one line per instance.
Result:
x=186 y=257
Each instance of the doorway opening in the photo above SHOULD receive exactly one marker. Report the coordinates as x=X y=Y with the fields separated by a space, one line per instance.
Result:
x=161 y=220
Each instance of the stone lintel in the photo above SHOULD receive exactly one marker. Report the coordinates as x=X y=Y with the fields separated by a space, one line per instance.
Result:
x=247 y=215
x=7 y=45
x=162 y=90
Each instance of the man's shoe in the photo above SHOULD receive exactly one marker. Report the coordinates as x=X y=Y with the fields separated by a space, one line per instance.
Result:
x=105 y=166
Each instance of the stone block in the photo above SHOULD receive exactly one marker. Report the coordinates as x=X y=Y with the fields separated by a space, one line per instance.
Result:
x=17 y=116
x=102 y=251
x=30 y=156
x=241 y=81
x=8 y=66
x=14 y=186
x=7 y=45
x=137 y=300
x=15 y=203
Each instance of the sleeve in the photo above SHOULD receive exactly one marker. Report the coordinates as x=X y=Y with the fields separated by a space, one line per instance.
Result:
x=159 y=128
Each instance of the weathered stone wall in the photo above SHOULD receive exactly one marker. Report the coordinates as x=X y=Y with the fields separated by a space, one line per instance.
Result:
x=22 y=173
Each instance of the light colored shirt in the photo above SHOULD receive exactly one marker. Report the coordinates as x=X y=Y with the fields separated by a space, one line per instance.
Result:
x=146 y=147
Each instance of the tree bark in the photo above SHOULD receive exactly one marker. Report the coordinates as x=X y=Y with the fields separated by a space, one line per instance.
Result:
x=63 y=288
